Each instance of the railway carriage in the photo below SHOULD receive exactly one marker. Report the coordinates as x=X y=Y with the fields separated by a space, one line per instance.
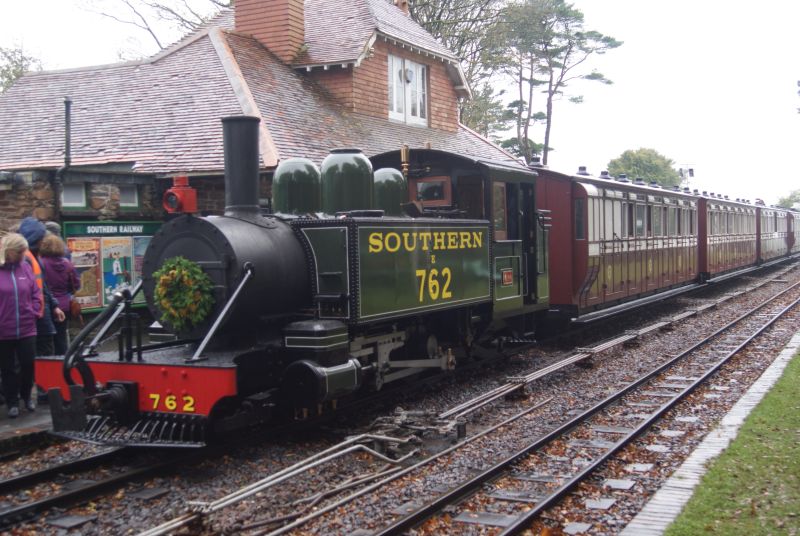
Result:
x=794 y=232
x=773 y=228
x=728 y=235
x=614 y=241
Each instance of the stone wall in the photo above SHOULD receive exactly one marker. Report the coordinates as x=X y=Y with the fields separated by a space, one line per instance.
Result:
x=103 y=201
x=30 y=194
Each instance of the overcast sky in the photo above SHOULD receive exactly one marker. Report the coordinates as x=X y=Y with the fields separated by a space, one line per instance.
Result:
x=710 y=84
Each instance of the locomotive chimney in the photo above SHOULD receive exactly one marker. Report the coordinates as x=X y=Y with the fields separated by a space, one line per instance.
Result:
x=240 y=140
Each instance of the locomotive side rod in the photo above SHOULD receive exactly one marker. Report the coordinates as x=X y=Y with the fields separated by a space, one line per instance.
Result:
x=249 y=270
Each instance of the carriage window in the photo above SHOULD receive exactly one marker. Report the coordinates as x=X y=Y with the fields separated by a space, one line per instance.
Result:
x=608 y=216
x=672 y=226
x=629 y=220
x=691 y=222
x=499 y=211
x=678 y=221
x=657 y=221
x=649 y=220
x=640 y=223
x=580 y=223
x=432 y=191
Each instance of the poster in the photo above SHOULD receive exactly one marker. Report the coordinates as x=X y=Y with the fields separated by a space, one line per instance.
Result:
x=117 y=255
x=85 y=257
x=109 y=256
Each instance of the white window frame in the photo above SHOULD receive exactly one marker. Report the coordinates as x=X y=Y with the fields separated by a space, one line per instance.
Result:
x=75 y=188
x=408 y=94
x=135 y=203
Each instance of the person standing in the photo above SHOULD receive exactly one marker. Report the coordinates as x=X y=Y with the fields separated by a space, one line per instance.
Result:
x=62 y=279
x=20 y=301
x=34 y=231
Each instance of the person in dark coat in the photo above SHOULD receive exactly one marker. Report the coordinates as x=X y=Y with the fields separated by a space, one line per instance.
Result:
x=34 y=231
x=20 y=301
x=61 y=278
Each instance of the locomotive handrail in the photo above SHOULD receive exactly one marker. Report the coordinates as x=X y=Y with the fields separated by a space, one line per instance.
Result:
x=118 y=311
x=249 y=269
x=74 y=357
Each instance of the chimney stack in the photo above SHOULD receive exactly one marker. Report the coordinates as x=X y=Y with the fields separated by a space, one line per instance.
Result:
x=402 y=5
x=278 y=24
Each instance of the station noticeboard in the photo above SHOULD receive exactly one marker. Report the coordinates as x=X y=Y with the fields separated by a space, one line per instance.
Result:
x=108 y=256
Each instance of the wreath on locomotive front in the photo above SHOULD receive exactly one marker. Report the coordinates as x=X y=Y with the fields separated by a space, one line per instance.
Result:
x=183 y=294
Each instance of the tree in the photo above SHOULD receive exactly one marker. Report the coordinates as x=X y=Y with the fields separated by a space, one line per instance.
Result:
x=547 y=48
x=159 y=18
x=521 y=144
x=647 y=164
x=484 y=113
x=790 y=200
x=465 y=27
x=13 y=64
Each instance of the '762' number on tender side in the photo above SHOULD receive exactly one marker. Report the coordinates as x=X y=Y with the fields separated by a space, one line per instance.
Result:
x=171 y=403
x=437 y=284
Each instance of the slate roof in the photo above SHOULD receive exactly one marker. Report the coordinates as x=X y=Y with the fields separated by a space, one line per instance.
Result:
x=162 y=115
x=340 y=31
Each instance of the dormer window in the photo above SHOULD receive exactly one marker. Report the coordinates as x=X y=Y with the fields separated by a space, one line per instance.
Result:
x=408 y=91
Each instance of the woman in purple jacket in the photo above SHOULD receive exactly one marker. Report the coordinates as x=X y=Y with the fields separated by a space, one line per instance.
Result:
x=62 y=279
x=20 y=299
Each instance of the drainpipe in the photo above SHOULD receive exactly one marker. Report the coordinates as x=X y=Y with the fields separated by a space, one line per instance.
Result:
x=59 y=180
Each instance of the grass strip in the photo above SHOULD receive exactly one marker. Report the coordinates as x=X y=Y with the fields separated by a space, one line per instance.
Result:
x=754 y=486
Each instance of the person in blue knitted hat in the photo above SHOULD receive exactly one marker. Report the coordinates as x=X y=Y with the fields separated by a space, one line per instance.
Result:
x=34 y=231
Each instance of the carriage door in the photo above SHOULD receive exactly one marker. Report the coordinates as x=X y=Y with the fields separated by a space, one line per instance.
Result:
x=534 y=247
x=509 y=255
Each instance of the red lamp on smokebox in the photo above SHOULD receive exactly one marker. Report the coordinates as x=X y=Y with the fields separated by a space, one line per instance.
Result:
x=181 y=197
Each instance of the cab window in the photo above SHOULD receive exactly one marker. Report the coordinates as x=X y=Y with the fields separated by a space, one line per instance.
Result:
x=499 y=211
x=431 y=191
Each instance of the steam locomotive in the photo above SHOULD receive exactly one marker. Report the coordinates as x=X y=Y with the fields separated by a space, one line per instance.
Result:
x=337 y=290
x=357 y=278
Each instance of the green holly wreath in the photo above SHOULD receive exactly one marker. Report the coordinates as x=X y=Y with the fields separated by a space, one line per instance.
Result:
x=183 y=293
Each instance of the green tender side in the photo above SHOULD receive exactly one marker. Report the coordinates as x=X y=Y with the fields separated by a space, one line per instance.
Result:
x=421 y=267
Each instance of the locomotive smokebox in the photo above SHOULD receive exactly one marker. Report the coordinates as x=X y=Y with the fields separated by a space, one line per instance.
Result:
x=222 y=246
x=240 y=141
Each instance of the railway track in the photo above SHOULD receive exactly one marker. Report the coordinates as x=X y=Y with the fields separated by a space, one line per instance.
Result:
x=520 y=494
x=77 y=483
x=294 y=519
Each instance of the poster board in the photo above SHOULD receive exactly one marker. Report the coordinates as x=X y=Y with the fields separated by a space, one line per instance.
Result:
x=108 y=257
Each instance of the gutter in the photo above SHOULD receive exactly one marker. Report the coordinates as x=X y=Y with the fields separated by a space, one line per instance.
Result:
x=58 y=183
